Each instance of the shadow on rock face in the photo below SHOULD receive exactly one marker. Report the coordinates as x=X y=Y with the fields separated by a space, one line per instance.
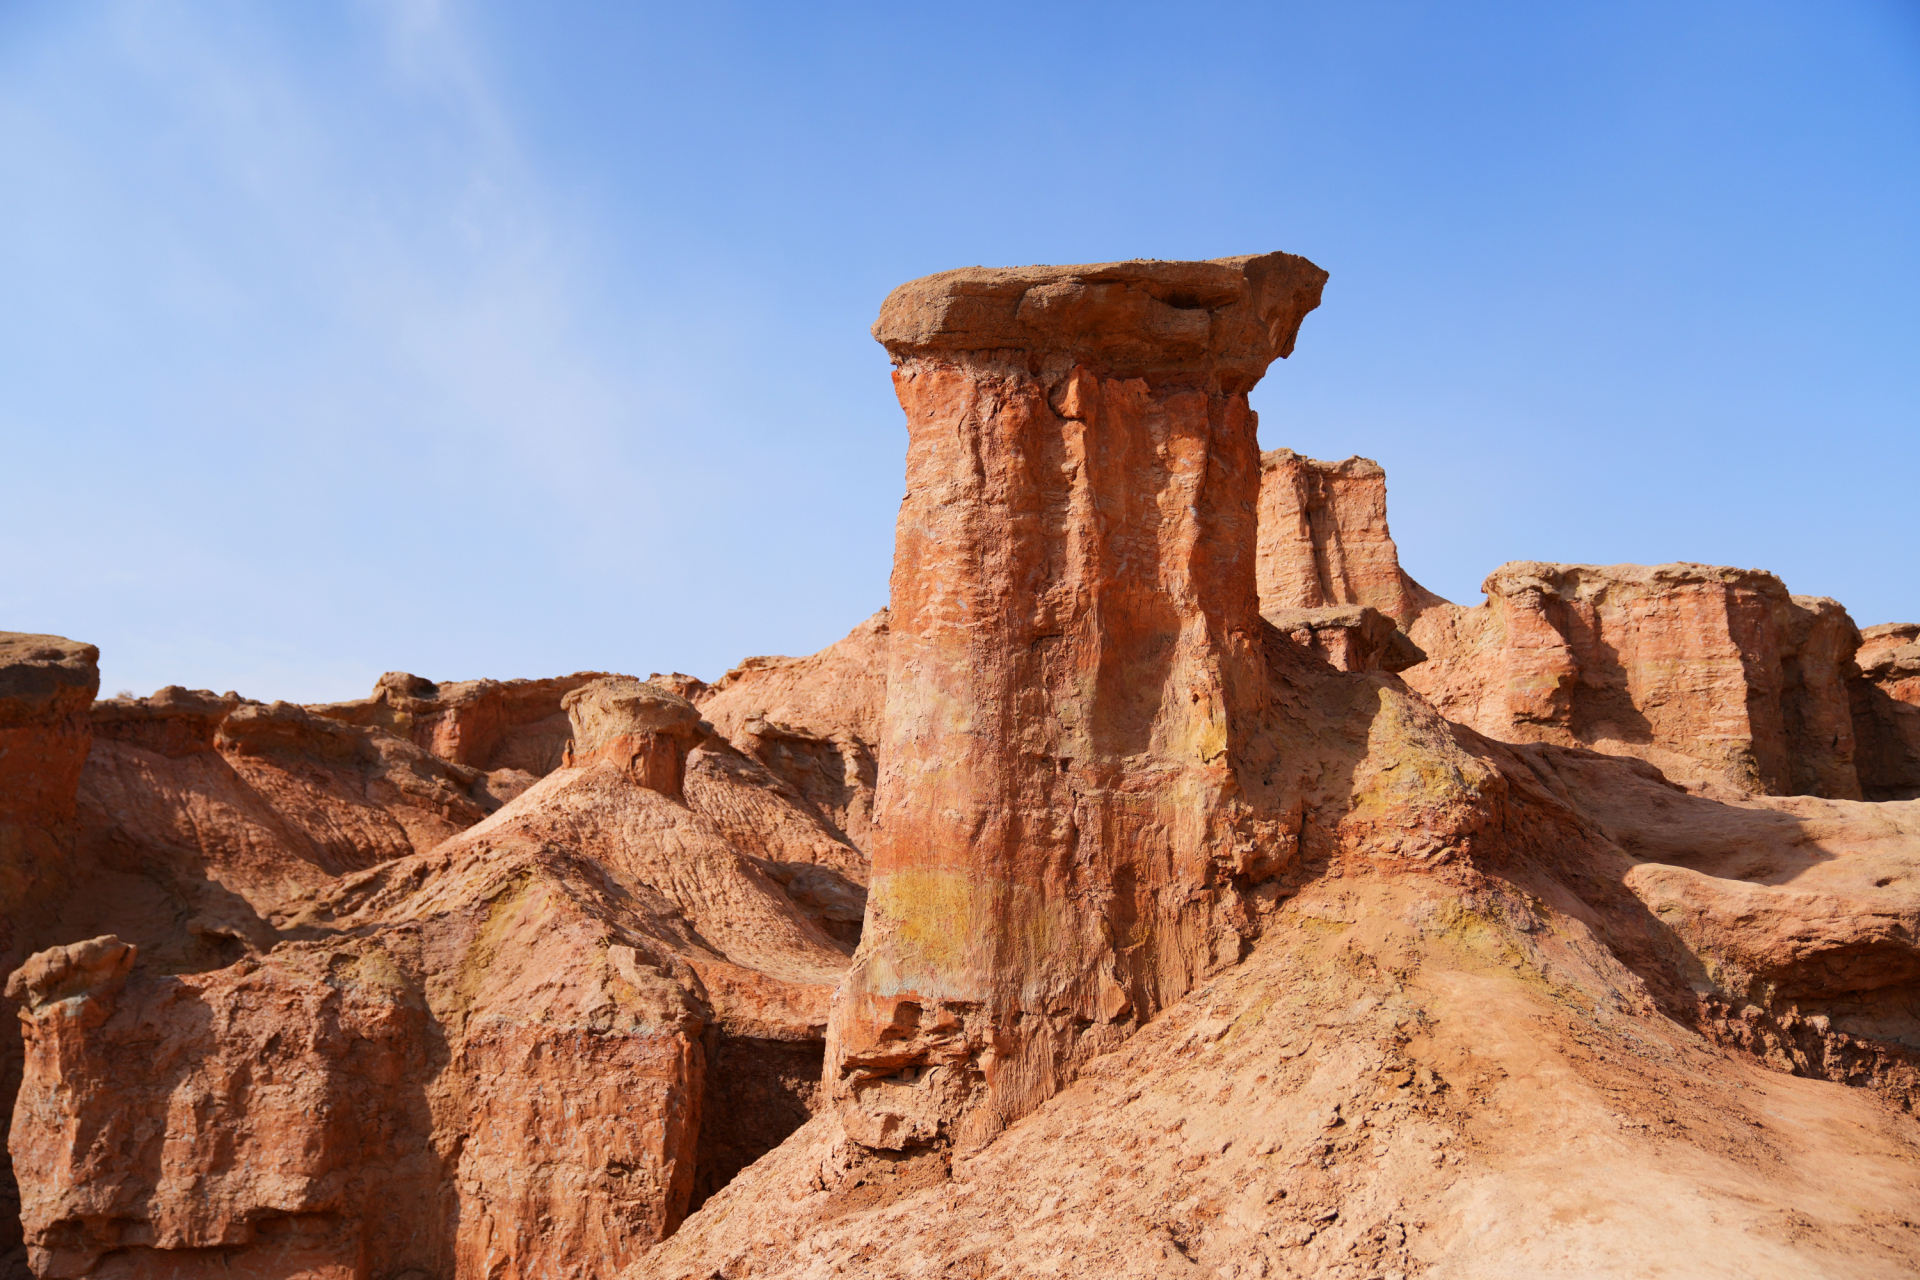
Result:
x=1783 y=927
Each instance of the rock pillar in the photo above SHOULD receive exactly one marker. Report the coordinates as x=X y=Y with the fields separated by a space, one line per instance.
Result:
x=1063 y=802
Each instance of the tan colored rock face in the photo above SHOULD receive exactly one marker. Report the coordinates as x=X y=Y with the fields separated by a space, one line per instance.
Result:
x=1072 y=623
x=1713 y=674
x=1324 y=540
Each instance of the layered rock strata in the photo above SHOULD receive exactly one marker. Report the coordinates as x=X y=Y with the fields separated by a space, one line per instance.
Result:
x=1324 y=540
x=1062 y=804
x=1716 y=675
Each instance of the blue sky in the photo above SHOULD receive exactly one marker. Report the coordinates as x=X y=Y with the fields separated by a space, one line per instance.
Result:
x=505 y=339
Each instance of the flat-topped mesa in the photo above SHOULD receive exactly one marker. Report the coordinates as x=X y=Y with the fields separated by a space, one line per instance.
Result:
x=1074 y=624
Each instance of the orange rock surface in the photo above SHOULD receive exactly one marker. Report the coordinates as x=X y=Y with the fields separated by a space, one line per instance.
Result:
x=1324 y=539
x=1716 y=675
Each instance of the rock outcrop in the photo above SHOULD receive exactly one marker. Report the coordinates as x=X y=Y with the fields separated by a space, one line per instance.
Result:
x=46 y=685
x=1324 y=540
x=514 y=731
x=1886 y=711
x=1716 y=675
x=198 y=814
x=524 y=1051
x=1351 y=637
x=1073 y=625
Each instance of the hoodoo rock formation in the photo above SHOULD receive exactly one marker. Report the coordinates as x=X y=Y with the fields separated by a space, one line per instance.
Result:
x=1073 y=628
x=1164 y=884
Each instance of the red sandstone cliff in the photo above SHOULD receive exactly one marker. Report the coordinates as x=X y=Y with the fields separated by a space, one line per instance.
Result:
x=46 y=686
x=1886 y=711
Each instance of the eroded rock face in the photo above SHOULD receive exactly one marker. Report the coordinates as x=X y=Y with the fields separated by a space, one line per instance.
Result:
x=1398 y=1080
x=46 y=686
x=1886 y=711
x=492 y=1057
x=1324 y=540
x=1351 y=637
x=512 y=730
x=1716 y=675
x=200 y=813
x=1468 y=1042
x=1073 y=623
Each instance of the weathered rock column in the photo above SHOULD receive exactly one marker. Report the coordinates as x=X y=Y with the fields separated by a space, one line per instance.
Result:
x=1062 y=805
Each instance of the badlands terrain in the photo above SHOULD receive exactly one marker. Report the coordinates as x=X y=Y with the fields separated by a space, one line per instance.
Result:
x=1163 y=884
